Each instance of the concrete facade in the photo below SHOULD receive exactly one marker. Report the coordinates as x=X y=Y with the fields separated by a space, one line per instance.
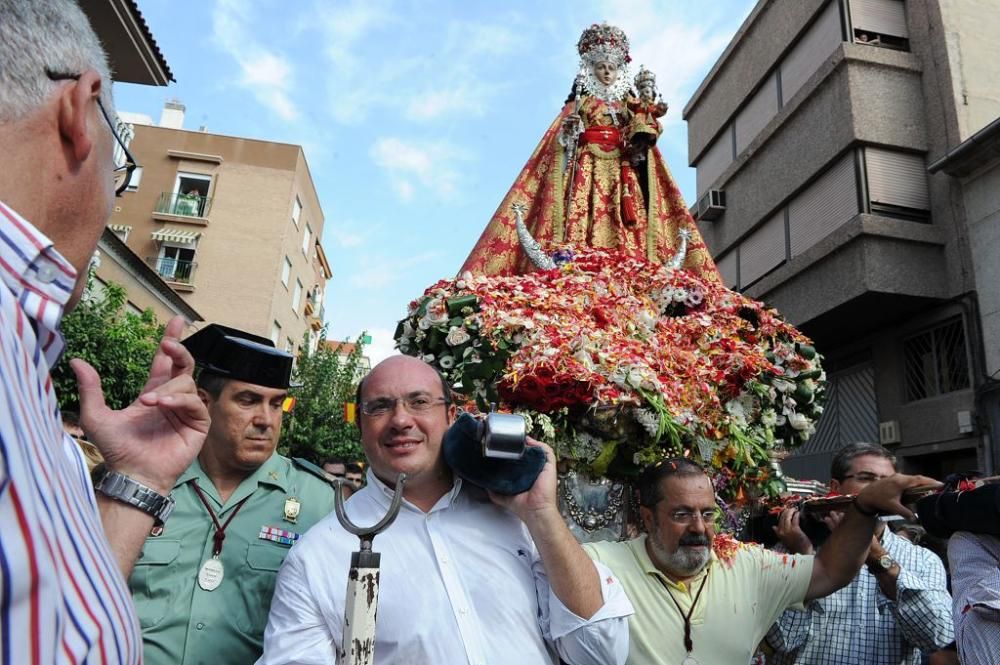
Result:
x=818 y=123
x=233 y=225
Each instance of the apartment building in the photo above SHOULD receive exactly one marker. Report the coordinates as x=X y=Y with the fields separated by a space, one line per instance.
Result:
x=134 y=58
x=812 y=136
x=231 y=224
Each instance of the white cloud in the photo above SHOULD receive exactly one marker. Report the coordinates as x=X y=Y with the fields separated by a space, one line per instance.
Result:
x=429 y=164
x=348 y=234
x=382 y=346
x=379 y=272
x=266 y=74
x=432 y=104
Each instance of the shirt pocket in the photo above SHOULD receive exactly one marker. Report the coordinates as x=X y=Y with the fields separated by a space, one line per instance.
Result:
x=256 y=587
x=155 y=580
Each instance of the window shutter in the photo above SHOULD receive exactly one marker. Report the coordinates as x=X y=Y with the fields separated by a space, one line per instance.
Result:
x=727 y=269
x=715 y=160
x=763 y=250
x=756 y=114
x=884 y=17
x=825 y=205
x=811 y=51
x=897 y=178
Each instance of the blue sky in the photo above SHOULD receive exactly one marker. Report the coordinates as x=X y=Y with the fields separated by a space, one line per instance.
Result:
x=415 y=116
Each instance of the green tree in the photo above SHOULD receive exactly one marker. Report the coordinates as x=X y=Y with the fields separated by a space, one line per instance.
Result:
x=326 y=380
x=118 y=343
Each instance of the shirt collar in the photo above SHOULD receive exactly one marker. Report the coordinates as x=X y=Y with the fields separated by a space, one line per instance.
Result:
x=647 y=566
x=272 y=472
x=382 y=493
x=38 y=276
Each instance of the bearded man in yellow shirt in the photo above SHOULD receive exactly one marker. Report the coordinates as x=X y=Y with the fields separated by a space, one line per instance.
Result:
x=698 y=606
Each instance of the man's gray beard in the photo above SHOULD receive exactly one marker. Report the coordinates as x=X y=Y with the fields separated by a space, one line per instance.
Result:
x=685 y=562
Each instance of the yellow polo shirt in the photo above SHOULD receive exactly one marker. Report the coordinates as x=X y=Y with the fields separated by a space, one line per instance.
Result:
x=741 y=599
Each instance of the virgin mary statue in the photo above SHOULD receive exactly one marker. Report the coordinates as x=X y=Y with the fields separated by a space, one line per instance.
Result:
x=589 y=183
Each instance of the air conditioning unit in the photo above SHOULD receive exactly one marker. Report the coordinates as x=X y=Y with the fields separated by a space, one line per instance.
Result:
x=711 y=205
x=888 y=432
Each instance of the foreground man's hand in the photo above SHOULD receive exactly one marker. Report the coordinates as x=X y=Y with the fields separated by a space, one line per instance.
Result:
x=158 y=436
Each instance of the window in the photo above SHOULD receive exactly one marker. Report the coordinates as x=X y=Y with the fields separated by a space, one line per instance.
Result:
x=290 y=345
x=296 y=211
x=297 y=296
x=936 y=362
x=286 y=271
x=133 y=183
x=275 y=332
x=880 y=23
x=190 y=195
x=897 y=184
x=176 y=263
x=306 y=240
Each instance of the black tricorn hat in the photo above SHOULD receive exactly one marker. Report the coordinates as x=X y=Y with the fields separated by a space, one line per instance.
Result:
x=240 y=355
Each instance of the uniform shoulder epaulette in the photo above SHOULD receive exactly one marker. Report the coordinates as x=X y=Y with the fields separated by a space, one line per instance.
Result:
x=305 y=465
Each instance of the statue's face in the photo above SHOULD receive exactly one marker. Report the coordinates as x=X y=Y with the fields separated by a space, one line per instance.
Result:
x=648 y=90
x=606 y=72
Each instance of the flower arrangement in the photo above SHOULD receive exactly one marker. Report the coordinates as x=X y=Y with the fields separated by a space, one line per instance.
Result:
x=619 y=362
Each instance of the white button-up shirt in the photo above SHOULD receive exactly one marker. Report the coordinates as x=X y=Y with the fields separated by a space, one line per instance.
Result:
x=462 y=583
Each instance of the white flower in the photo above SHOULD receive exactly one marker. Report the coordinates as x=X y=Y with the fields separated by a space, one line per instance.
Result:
x=694 y=298
x=735 y=409
x=647 y=319
x=424 y=323
x=768 y=418
x=784 y=386
x=427 y=357
x=457 y=335
x=437 y=311
x=649 y=420
x=799 y=422
x=446 y=362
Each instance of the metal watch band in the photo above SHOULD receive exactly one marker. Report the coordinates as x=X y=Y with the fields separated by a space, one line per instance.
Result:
x=122 y=488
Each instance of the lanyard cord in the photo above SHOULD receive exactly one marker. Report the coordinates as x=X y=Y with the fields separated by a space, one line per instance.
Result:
x=688 y=642
x=220 y=529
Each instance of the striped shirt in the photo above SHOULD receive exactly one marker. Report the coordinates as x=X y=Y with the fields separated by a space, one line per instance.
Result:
x=975 y=584
x=859 y=625
x=62 y=595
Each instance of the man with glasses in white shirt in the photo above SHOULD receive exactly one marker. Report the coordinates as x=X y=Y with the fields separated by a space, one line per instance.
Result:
x=466 y=576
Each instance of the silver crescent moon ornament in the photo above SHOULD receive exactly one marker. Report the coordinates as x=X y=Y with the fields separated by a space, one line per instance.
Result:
x=678 y=259
x=535 y=253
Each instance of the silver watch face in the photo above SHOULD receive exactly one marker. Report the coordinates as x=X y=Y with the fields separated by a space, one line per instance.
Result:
x=886 y=561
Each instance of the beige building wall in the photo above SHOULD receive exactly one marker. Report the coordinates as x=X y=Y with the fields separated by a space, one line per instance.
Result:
x=240 y=229
x=970 y=30
x=143 y=287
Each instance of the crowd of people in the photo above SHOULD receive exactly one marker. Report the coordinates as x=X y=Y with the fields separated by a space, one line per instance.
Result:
x=183 y=537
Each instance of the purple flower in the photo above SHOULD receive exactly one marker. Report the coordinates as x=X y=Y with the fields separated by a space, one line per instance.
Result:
x=562 y=256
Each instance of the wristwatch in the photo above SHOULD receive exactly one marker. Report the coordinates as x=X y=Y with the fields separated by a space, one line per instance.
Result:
x=121 y=487
x=884 y=564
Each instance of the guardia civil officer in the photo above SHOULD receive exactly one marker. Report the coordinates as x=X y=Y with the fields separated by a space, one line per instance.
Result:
x=203 y=584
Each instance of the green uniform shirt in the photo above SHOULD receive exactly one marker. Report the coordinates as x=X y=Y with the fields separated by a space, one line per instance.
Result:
x=183 y=623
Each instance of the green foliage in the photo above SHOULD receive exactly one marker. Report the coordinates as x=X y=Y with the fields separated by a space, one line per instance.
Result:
x=118 y=343
x=316 y=429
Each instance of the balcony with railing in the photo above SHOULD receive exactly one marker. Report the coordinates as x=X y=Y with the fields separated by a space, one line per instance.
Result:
x=179 y=274
x=174 y=207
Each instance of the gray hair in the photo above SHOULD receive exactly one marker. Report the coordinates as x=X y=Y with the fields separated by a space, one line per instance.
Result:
x=40 y=35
